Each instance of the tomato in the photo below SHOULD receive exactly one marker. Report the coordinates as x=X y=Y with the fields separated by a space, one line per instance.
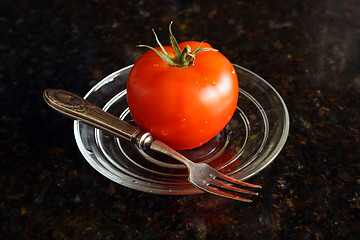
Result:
x=183 y=106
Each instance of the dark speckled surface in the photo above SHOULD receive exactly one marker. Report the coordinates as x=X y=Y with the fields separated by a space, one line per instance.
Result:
x=308 y=50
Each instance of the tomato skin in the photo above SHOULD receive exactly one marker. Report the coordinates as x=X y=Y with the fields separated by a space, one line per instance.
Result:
x=183 y=107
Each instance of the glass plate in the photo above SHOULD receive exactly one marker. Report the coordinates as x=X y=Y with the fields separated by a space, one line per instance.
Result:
x=252 y=139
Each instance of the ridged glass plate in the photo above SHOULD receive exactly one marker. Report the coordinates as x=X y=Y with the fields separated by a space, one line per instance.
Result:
x=252 y=139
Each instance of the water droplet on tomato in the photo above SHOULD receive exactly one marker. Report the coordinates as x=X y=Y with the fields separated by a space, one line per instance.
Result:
x=183 y=119
x=213 y=82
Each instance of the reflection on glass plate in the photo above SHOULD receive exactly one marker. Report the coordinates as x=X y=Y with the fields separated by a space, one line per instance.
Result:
x=253 y=138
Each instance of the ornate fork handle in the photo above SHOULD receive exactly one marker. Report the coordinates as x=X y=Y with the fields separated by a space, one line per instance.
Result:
x=78 y=108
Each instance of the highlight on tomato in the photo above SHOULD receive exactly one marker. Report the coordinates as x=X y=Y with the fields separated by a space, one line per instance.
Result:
x=183 y=94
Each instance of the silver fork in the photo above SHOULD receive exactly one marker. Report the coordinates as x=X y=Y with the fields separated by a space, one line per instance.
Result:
x=201 y=175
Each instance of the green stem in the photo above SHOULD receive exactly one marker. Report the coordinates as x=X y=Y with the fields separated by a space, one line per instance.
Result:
x=182 y=59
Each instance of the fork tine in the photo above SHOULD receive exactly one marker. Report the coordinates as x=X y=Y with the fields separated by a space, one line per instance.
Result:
x=238 y=182
x=221 y=193
x=224 y=186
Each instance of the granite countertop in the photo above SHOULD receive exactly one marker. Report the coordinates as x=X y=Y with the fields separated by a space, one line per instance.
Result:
x=308 y=50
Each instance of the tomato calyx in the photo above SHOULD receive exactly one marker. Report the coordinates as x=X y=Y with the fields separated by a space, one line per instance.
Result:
x=182 y=59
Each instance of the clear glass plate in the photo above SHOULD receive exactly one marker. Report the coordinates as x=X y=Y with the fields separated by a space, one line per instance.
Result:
x=253 y=138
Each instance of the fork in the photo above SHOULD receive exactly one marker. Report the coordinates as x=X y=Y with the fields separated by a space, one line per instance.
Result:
x=201 y=175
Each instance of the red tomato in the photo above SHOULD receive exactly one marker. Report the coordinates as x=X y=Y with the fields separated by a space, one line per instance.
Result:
x=184 y=107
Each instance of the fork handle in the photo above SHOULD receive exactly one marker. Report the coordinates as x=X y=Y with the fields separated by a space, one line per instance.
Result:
x=161 y=147
x=78 y=108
